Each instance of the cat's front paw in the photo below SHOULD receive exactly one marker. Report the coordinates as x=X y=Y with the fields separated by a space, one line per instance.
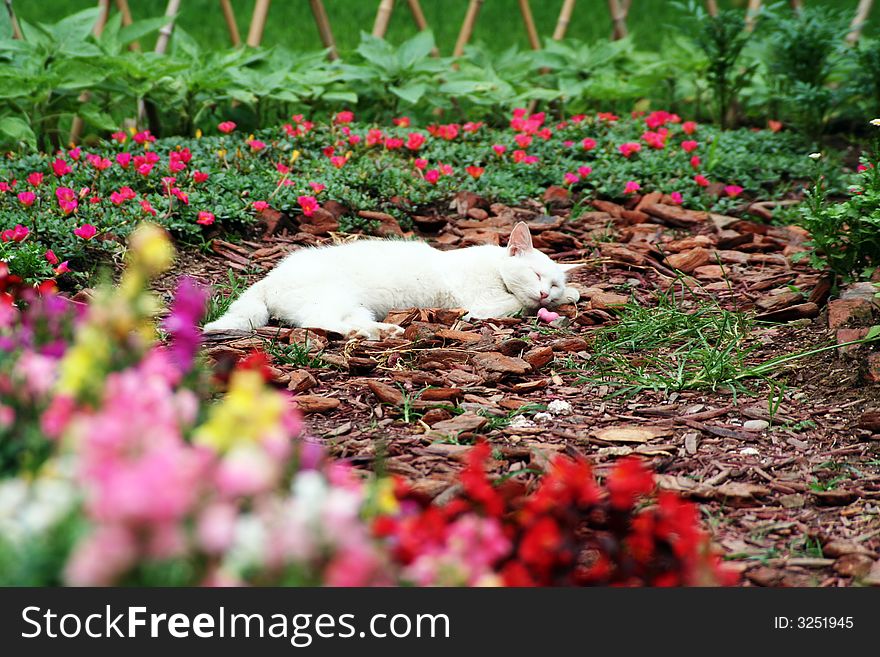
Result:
x=377 y=331
x=571 y=295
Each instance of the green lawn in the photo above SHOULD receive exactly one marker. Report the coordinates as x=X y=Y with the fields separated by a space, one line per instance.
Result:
x=499 y=24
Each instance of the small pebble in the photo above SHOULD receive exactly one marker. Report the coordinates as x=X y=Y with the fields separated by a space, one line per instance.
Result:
x=559 y=407
x=749 y=451
x=755 y=425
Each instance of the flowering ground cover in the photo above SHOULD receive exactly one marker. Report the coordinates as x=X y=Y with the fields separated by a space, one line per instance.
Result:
x=603 y=446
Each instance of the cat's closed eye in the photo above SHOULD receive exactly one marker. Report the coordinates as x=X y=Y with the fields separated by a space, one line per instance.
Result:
x=538 y=275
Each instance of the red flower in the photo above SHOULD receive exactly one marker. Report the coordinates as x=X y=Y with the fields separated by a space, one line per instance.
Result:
x=474 y=171
x=338 y=161
x=629 y=148
x=695 y=162
x=499 y=149
x=343 y=117
x=432 y=176
x=143 y=137
x=420 y=163
x=259 y=206
x=60 y=167
x=628 y=481
x=631 y=187
x=256 y=145
x=308 y=204
x=200 y=176
x=205 y=218
x=689 y=146
x=775 y=126
x=676 y=198
x=226 y=127
x=588 y=144
x=123 y=159
x=17 y=234
x=86 y=231
x=393 y=143
x=689 y=127
x=146 y=207
x=540 y=545
x=35 y=179
x=27 y=198
x=119 y=137
x=523 y=140
x=701 y=180
x=401 y=122
x=50 y=257
x=415 y=140
x=475 y=482
x=374 y=136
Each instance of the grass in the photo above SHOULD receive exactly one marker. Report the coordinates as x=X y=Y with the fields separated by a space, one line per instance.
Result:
x=290 y=22
x=295 y=354
x=218 y=304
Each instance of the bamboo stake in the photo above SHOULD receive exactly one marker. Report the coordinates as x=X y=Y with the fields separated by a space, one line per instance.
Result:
x=618 y=17
x=563 y=20
x=858 y=21
x=752 y=13
x=231 y=25
x=324 y=29
x=797 y=5
x=467 y=27
x=122 y=6
x=16 y=29
x=166 y=30
x=712 y=7
x=383 y=15
x=419 y=17
x=526 y=11
x=258 y=23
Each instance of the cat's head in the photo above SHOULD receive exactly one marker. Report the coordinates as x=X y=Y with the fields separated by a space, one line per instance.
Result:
x=533 y=278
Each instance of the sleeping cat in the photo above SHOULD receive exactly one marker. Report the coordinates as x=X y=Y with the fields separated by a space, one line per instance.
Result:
x=347 y=288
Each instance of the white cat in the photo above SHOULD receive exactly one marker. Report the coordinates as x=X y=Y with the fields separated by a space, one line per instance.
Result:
x=347 y=288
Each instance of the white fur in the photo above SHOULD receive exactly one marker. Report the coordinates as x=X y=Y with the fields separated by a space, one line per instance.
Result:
x=347 y=288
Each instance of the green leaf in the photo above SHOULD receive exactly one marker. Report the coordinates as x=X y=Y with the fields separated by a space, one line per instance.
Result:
x=411 y=93
x=92 y=114
x=17 y=130
x=140 y=29
x=414 y=49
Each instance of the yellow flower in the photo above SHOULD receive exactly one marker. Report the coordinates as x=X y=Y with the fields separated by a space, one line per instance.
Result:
x=221 y=153
x=294 y=156
x=151 y=250
x=250 y=412
x=198 y=133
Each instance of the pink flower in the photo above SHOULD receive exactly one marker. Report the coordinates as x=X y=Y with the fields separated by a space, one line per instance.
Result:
x=100 y=163
x=656 y=139
x=123 y=159
x=308 y=204
x=393 y=143
x=205 y=218
x=119 y=137
x=415 y=140
x=689 y=146
x=50 y=257
x=147 y=208
x=86 y=231
x=401 y=122
x=226 y=127
x=61 y=269
x=27 y=198
x=317 y=187
x=143 y=137
x=583 y=172
x=432 y=176
x=861 y=168
x=75 y=153
x=629 y=148
x=733 y=190
x=499 y=149
x=343 y=117
x=374 y=136
x=701 y=180
x=259 y=206
x=338 y=161
x=689 y=127
x=256 y=145
x=523 y=141
x=695 y=162
x=676 y=198
x=66 y=199
x=631 y=187
x=60 y=167
x=17 y=234
x=570 y=178
x=474 y=171
x=176 y=165
x=354 y=140
x=117 y=199
x=420 y=163
x=588 y=144
x=145 y=169
x=35 y=179
x=200 y=176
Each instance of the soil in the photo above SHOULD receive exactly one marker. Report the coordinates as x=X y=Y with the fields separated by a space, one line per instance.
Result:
x=790 y=497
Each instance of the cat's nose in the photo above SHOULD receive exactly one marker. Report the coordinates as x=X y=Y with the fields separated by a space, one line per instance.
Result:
x=544 y=295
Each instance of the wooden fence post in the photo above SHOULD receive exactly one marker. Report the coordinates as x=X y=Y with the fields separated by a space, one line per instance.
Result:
x=166 y=30
x=467 y=27
x=258 y=23
x=324 y=30
x=383 y=15
x=526 y=10
x=563 y=20
x=712 y=7
x=16 y=29
x=618 y=18
x=231 y=25
x=858 y=21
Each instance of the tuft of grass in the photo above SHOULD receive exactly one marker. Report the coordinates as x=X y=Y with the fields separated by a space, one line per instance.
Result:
x=295 y=353
x=218 y=304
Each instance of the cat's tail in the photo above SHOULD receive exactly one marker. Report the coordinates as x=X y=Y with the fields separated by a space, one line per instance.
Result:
x=247 y=313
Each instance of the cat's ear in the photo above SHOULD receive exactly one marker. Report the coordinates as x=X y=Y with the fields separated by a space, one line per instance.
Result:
x=520 y=241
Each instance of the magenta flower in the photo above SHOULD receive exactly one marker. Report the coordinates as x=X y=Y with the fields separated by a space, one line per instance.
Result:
x=35 y=179
x=119 y=137
x=182 y=323
x=499 y=149
x=226 y=127
x=60 y=167
x=733 y=190
x=27 y=198
x=689 y=127
x=17 y=234
x=343 y=117
x=317 y=187
x=50 y=257
x=570 y=178
x=689 y=146
x=259 y=206
x=629 y=148
x=205 y=218
x=200 y=176
x=701 y=180
x=588 y=144
x=432 y=176
x=123 y=159
x=583 y=172
x=66 y=199
x=86 y=231
x=308 y=204
x=415 y=140
x=676 y=198
x=631 y=187
x=338 y=161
